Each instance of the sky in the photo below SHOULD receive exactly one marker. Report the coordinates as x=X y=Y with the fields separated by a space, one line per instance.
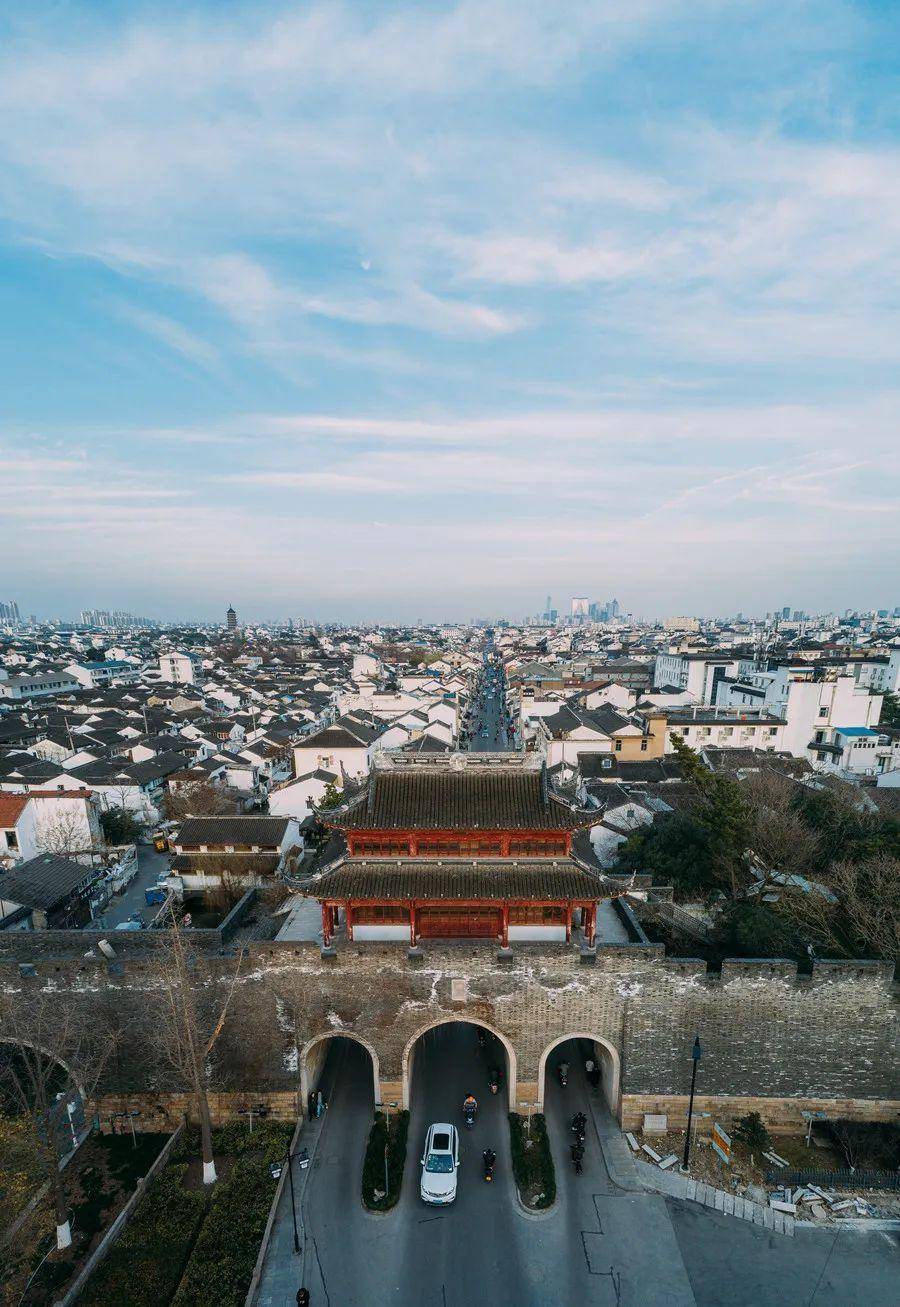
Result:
x=372 y=311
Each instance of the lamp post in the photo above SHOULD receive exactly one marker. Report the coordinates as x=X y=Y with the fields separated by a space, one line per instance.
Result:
x=696 y=1054
x=275 y=1169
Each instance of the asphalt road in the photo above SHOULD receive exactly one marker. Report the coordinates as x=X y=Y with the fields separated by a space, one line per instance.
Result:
x=601 y=1245
x=489 y=717
x=151 y=865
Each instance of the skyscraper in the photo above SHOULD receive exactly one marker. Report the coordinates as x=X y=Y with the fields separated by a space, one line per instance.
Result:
x=231 y=620
x=580 y=608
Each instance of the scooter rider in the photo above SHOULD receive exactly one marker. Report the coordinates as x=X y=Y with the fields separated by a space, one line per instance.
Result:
x=470 y=1106
x=488 y=1157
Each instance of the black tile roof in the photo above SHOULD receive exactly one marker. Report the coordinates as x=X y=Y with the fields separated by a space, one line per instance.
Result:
x=265 y=832
x=457 y=800
x=490 y=878
x=45 y=881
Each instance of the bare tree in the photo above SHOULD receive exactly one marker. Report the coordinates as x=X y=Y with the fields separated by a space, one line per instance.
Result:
x=189 y=1022
x=67 y=834
x=41 y=1040
x=202 y=799
x=778 y=833
x=859 y=913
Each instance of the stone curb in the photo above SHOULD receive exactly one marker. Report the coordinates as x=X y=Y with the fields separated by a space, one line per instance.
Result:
x=718 y=1200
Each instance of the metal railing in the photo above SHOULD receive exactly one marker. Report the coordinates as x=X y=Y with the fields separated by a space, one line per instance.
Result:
x=846 y=1178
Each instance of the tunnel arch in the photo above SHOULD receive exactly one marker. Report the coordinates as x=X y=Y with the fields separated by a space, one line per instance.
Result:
x=77 y=1085
x=610 y=1068
x=406 y=1076
x=326 y=1036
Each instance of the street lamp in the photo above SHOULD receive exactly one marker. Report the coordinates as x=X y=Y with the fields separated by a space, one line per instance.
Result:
x=696 y=1054
x=275 y=1172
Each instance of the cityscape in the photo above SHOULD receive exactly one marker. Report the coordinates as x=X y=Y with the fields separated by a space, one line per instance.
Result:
x=449 y=654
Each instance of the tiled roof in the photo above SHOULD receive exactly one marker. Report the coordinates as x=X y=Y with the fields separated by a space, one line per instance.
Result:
x=11 y=809
x=44 y=881
x=456 y=800
x=491 y=878
x=265 y=832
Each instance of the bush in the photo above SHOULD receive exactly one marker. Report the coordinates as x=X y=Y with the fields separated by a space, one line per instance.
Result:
x=373 y=1162
x=532 y=1163
x=752 y=1133
x=145 y=1265
x=221 y=1264
x=873 y=1145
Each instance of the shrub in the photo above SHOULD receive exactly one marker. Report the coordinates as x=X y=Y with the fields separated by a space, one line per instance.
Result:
x=373 y=1162
x=751 y=1132
x=533 y=1167
x=145 y=1265
x=222 y=1261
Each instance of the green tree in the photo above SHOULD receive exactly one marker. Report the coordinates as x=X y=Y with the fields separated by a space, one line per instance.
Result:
x=751 y=1132
x=120 y=826
x=890 y=710
x=331 y=797
x=677 y=849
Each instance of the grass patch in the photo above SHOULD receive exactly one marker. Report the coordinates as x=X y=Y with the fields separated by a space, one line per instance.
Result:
x=394 y=1139
x=532 y=1161
x=98 y=1182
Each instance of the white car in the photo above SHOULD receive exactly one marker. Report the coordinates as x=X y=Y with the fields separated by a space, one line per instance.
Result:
x=440 y=1162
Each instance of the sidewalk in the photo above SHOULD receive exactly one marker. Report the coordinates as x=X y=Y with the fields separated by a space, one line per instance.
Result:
x=283 y=1270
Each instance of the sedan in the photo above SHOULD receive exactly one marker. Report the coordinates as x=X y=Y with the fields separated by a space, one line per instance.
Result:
x=440 y=1162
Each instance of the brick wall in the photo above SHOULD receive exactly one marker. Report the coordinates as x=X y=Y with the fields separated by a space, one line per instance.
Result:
x=767 y=1034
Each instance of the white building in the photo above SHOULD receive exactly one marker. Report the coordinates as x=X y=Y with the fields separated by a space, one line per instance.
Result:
x=180 y=668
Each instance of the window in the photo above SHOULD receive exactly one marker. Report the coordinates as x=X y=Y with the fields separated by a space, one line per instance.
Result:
x=823 y=712
x=376 y=913
x=535 y=914
x=643 y=746
x=12 y=840
x=618 y=746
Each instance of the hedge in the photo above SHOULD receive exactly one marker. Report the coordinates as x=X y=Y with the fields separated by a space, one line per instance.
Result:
x=146 y=1263
x=373 y=1163
x=196 y=1246
x=533 y=1165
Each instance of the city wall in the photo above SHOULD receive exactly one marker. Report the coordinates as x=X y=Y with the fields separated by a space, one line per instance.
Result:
x=772 y=1041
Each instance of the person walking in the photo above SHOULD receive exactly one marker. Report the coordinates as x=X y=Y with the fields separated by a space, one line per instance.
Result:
x=302 y=1297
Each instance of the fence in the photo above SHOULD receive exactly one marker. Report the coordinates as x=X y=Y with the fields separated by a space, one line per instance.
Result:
x=846 y=1178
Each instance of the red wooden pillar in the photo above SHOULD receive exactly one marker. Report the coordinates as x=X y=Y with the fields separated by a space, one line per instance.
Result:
x=412 y=925
x=349 y=912
x=326 y=924
x=413 y=847
x=504 y=847
x=504 y=935
x=568 y=922
x=590 y=923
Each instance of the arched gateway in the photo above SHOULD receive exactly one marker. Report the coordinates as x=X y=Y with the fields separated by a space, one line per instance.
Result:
x=462 y=1019
x=609 y=1061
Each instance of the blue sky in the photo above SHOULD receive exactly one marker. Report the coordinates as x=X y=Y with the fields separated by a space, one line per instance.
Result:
x=369 y=310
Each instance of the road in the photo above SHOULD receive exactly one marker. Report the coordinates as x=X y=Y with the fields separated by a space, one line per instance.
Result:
x=602 y=1244
x=489 y=708
x=151 y=865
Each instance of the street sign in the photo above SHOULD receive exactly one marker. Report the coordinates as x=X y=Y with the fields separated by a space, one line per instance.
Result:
x=721 y=1142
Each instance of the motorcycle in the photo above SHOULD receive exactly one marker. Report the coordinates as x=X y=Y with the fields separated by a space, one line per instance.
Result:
x=579 y=1124
x=488 y=1159
x=469 y=1111
x=562 y=1072
x=577 y=1156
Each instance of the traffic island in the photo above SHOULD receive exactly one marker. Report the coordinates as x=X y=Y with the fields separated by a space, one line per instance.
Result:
x=385 y=1158
x=532 y=1162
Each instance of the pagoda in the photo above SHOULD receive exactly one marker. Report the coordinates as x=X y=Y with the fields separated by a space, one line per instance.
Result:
x=465 y=845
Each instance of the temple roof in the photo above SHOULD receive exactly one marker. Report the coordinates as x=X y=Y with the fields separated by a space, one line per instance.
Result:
x=487 y=878
x=449 y=795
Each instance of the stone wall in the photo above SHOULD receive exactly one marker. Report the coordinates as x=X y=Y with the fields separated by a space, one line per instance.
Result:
x=767 y=1034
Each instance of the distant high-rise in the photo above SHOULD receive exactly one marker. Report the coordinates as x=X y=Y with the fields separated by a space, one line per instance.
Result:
x=580 y=608
x=10 y=612
x=231 y=619
x=613 y=607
